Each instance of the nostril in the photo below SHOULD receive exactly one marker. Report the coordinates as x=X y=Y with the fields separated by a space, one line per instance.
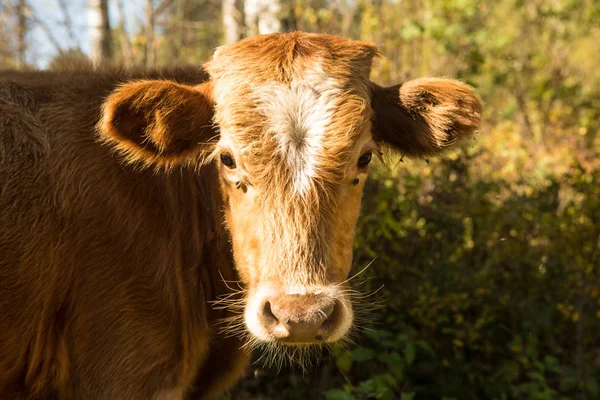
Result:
x=300 y=318
x=328 y=310
x=334 y=313
x=267 y=314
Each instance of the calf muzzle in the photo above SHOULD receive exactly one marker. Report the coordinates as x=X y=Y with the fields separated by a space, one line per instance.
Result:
x=300 y=319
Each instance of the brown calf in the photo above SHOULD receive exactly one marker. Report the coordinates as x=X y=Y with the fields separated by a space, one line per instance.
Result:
x=125 y=205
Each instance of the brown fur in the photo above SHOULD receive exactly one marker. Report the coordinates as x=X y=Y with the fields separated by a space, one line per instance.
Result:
x=108 y=267
x=148 y=111
x=423 y=116
x=105 y=271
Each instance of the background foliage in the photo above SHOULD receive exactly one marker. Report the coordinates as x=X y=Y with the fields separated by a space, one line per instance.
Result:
x=486 y=261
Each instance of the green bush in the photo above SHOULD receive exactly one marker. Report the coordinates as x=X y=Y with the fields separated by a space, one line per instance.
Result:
x=490 y=293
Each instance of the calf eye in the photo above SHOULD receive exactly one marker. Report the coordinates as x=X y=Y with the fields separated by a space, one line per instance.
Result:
x=227 y=160
x=364 y=160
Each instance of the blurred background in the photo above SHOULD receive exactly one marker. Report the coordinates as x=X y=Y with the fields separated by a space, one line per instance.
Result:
x=485 y=274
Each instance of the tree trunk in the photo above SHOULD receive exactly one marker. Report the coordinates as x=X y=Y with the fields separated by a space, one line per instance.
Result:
x=269 y=16
x=21 y=32
x=233 y=20
x=4 y=53
x=126 y=50
x=149 y=50
x=101 y=49
x=178 y=32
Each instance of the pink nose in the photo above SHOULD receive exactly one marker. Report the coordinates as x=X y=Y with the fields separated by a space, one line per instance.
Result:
x=299 y=318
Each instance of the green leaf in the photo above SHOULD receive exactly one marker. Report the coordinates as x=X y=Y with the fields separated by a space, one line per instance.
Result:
x=344 y=361
x=338 y=394
x=425 y=346
x=395 y=364
x=412 y=30
x=362 y=354
x=409 y=353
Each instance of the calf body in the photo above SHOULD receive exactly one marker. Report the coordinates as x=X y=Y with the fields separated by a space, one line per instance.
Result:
x=127 y=203
x=105 y=271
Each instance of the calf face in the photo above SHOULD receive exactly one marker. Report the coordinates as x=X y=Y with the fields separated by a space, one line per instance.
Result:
x=293 y=122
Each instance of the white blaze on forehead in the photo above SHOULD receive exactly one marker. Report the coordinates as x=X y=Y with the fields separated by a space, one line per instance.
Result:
x=298 y=116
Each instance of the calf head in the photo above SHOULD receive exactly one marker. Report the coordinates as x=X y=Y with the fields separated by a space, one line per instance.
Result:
x=293 y=121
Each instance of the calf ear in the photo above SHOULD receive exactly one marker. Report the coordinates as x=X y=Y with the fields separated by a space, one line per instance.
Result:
x=422 y=117
x=159 y=123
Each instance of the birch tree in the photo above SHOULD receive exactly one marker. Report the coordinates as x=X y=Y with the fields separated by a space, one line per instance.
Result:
x=269 y=16
x=149 y=50
x=234 y=24
x=126 y=50
x=21 y=8
x=99 y=25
